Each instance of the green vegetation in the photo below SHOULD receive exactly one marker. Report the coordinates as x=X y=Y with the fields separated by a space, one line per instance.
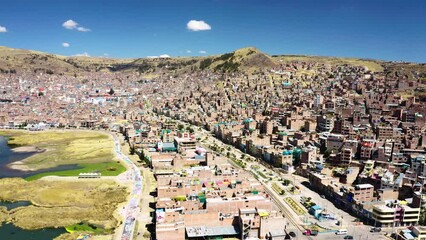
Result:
x=225 y=56
x=262 y=174
x=295 y=206
x=278 y=189
x=307 y=202
x=106 y=169
x=286 y=182
x=179 y=198
x=85 y=227
x=205 y=63
x=239 y=162
x=227 y=66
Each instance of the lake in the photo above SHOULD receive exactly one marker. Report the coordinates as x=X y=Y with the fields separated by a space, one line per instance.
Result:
x=12 y=205
x=8 y=156
x=10 y=232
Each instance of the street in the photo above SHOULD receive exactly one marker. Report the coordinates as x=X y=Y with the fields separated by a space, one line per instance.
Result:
x=131 y=210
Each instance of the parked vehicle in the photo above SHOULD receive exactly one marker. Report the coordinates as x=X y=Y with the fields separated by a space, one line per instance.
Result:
x=341 y=232
x=309 y=232
x=349 y=237
x=375 y=229
x=292 y=234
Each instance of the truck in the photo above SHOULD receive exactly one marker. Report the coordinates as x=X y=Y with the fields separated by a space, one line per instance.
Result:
x=309 y=232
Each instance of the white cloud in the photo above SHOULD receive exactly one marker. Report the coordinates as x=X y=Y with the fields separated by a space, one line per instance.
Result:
x=65 y=44
x=161 y=56
x=202 y=52
x=195 y=25
x=3 y=29
x=73 y=25
x=188 y=51
x=83 y=29
x=69 y=24
x=85 y=54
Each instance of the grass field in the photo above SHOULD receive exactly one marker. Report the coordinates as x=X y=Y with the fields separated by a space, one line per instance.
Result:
x=62 y=203
x=92 y=151
x=106 y=169
x=85 y=227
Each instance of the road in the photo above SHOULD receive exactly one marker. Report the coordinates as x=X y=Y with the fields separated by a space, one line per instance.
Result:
x=131 y=209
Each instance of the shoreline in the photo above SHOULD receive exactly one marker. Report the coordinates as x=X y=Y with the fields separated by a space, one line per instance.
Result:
x=27 y=149
x=20 y=166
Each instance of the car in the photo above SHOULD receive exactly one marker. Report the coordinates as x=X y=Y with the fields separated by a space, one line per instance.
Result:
x=322 y=196
x=341 y=232
x=375 y=229
x=292 y=234
x=309 y=232
x=349 y=237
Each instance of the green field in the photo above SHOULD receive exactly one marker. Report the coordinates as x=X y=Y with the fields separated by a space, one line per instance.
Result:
x=85 y=227
x=106 y=169
x=91 y=151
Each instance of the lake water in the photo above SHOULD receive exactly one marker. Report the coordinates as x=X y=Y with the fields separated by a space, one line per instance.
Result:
x=8 y=156
x=10 y=232
x=12 y=205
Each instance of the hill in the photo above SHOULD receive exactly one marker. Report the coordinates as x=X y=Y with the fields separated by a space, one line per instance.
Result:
x=372 y=65
x=19 y=60
x=244 y=60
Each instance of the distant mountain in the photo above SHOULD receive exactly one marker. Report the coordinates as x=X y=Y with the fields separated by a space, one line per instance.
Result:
x=19 y=60
x=246 y=60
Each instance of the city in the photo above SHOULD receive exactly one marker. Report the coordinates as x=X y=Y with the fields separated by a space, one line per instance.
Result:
x=242 y=144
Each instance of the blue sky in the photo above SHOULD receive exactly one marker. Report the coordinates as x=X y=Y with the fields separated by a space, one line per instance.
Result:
x=379 y=29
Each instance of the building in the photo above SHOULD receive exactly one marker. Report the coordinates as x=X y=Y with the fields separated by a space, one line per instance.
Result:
x=395 y=215
x=185 y=141
x=325 y=123
x=364 y=193
x=384 y=132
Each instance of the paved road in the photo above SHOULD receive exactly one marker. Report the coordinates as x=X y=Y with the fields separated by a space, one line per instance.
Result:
x=131 y=210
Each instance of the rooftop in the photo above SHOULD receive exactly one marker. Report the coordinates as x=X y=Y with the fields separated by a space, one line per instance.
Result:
x=206 y=231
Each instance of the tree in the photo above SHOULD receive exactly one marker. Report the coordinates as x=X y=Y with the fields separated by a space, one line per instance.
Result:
x=111 y=91
x=327 y=153
x=286 y=182
x=132 y=149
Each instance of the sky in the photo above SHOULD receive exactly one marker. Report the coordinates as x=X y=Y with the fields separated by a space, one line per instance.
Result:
x=378 y=29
